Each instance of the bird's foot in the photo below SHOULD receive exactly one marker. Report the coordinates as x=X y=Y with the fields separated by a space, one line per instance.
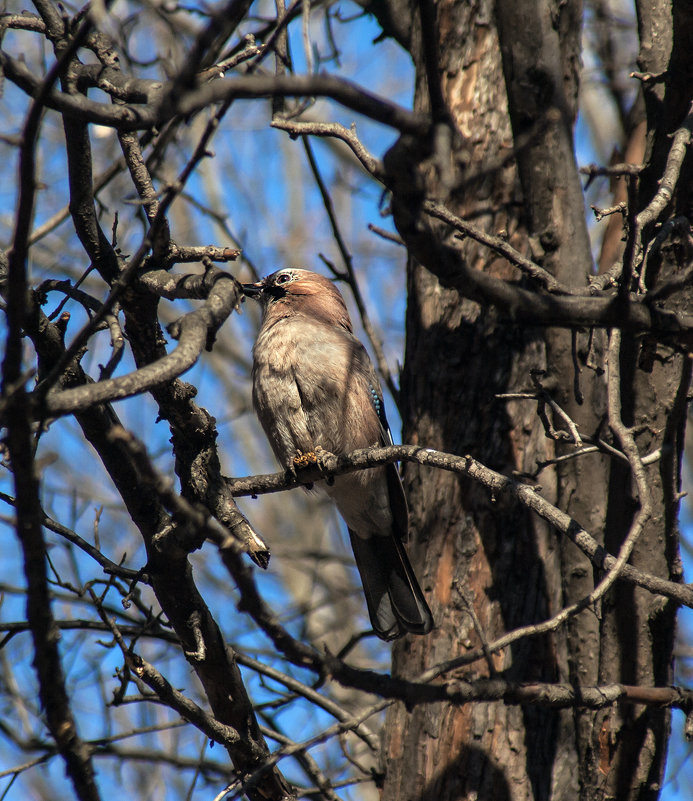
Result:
x=322 y=456
x=303 y=460
x=314 y=458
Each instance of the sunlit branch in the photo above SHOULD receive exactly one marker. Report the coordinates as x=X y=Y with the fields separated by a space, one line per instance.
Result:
x=193 y=332
x=527 y=495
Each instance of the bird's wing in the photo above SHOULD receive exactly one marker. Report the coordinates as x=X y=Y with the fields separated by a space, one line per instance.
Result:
x=398 y=501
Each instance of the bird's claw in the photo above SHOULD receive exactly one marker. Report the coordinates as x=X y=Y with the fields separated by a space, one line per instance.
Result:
x=303 y=460
x=314 y=458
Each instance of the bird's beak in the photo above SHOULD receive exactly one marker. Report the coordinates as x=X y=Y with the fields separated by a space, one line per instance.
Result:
x=252 y=290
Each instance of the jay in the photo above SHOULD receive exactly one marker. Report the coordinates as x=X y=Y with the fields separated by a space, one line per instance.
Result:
x=314 y=388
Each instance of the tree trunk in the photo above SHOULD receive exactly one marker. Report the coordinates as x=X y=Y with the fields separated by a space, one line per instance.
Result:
x=479 y=553
x=487 y=566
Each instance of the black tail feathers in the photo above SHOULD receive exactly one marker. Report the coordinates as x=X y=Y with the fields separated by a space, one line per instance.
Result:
x=396 y=604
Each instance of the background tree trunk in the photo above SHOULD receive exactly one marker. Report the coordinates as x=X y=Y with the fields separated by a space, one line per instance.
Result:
x=481 y=554
x=477 y=552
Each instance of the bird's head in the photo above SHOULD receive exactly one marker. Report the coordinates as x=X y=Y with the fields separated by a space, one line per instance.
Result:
x=296 y=291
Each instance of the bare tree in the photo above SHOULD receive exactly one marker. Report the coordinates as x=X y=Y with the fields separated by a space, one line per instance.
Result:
x=543 y=399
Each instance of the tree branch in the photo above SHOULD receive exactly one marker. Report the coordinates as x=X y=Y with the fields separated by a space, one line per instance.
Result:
x=495 y=482
x=47 y=662
x=193 y=332
x=132 y=117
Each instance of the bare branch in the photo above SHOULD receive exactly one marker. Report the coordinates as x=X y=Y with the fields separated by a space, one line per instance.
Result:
x=594 y=170
x=131 y=117
x=47 y=661
x=537 y=694
x=663 y=196
x=535 y=308
x=312 y=695
x=297 y=128
x=496 y=482
x=224 y=734
x=497 y=244
x=390 y=237
x=202 y=524
x=193 y=332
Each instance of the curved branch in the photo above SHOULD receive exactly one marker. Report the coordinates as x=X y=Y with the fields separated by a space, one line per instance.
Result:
x=539 y=308
x=193 y=332
x=499 y=245
x=426 y=241
x=527 y=495
x=345 y=92
x=130 y=117
x=336 y=131
x=667 y=184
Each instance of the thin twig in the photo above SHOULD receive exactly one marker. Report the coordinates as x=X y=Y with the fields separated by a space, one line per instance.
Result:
x=497 y=244
x=662 y=198
x=613 y=169
x=295 y=128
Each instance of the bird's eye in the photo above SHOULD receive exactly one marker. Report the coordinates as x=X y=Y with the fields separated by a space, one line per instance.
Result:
x=282 y=278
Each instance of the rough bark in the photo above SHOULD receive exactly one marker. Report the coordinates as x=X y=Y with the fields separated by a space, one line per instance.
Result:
x=484 y=552
x=476 y=550
x=541 y=66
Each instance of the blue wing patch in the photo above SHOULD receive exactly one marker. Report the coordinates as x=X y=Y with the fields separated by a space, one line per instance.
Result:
x=380 y=410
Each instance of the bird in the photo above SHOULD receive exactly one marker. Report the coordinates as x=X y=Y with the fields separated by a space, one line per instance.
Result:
x=315 y=390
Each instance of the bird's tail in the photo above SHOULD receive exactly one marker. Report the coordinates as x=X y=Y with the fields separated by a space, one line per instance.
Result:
x=396 y=604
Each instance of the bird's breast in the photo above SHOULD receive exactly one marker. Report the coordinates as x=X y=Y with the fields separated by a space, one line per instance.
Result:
x=310 y=388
